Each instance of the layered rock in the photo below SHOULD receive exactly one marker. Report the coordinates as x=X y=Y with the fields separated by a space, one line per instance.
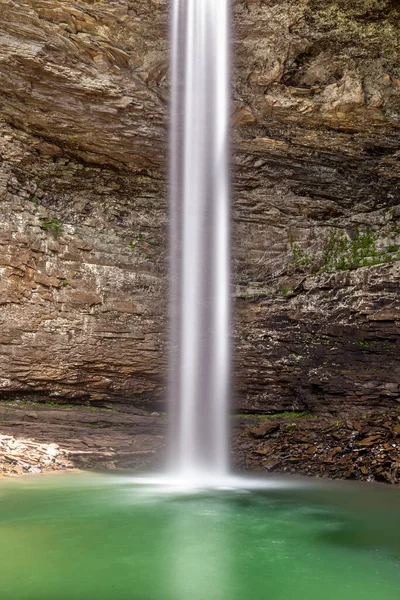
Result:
x=315 y=113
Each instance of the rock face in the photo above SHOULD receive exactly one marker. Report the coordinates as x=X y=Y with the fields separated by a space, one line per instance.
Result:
x=315 y=113
x=367 y=449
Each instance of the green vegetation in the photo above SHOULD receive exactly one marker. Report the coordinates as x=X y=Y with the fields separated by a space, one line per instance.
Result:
x=51 y=404
x=299 y=257
x=363 y=247
x=279 y=415
x=296 y=415
x=140 y=239
x=291 y=427
x=344 y=252
x=137 y=240
x=286 y=291
x=371 y=23
x=54 y=226
x=362 y=344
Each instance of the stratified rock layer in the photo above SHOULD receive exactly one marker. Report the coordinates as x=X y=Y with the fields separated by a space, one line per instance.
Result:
x=315 y=112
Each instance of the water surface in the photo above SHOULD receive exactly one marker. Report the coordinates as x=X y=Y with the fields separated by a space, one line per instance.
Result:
x=107 y=538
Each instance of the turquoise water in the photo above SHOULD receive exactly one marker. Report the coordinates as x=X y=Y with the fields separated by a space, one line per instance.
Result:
x=106 y=538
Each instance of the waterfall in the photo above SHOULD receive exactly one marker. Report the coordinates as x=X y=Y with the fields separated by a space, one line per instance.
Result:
x=199 y=239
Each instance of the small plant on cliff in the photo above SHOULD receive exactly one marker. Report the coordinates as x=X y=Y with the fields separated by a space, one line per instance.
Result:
x=285 y=291
x=299 y=258
x=344 y=252
x=140 y=238
x=291 y=427
x=362 y=344
x=135 y=242
x=52 y=225
x=337 y=424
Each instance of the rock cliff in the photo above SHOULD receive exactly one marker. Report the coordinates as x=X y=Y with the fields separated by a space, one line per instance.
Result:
x=83 y=212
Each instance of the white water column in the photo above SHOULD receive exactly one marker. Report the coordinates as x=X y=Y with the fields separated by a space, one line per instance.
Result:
x=199 y=238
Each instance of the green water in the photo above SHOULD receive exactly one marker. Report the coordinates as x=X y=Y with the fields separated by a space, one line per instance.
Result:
x=105 y=538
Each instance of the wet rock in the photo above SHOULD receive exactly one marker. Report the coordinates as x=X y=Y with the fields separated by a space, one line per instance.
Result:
x=271 y=465
x=264 y=430
x=375 y=456
x=262 y=451
x=369 y=441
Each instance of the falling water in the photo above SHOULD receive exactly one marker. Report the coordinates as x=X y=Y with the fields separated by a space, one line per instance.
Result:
x=199 y=238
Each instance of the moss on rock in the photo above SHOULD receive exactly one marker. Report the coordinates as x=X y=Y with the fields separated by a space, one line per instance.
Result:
x=372 y=23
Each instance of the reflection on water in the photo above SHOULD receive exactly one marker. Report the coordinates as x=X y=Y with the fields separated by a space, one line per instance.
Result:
x=105 y=538
x=198 y=549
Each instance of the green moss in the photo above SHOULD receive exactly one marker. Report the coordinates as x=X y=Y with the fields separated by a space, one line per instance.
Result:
x=364 y=247
x=296 y=415
x=291 y=427
x=299 y=258
x=279 y=415
x=362 y=344
x=139 y=239
x=337 y=424
x=372 y=24
x=343 y=252
x=54 y=226
x=50 y=404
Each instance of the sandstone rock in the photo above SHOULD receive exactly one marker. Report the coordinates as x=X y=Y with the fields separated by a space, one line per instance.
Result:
x=264 y=430
x=375 y=457
x=371 y=440
x=316 y=243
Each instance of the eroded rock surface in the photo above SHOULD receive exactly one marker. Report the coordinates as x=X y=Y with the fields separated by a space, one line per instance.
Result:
x=37 y=438
x=366 y=449
x=315 y=113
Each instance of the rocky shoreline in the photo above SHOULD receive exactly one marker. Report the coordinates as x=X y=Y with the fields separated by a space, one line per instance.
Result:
x=365 y=447
x=38 y=438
